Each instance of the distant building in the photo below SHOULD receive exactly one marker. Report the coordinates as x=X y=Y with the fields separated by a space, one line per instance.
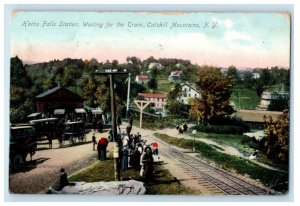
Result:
x=175 y=76
x=159 y=99
x=178 y=65
x=188 y=91
x=267 y=97
x=142 y=79
x=255 y=119
x=155 y=64
x=255 y=75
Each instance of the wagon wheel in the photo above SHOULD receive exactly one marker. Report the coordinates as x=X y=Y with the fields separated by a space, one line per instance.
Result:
x=18 y=162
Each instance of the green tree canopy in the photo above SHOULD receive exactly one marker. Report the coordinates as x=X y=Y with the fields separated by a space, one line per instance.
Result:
x=215 y=90
x=276 y=145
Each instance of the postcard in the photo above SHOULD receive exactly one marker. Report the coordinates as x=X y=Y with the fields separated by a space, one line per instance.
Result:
x=149 y=103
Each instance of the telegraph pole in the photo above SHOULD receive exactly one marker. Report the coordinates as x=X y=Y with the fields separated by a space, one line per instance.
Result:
x=111 y=73
x=128 y=93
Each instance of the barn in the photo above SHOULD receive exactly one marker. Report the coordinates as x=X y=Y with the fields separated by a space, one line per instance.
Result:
x=58 y=98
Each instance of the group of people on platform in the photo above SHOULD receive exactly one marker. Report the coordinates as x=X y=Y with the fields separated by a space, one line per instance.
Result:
x=134 y=151
x=137 y=154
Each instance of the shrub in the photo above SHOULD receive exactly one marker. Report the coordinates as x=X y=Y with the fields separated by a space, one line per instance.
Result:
x=222 y=129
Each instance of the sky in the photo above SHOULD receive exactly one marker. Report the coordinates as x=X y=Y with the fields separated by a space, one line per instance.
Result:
x=245 y=40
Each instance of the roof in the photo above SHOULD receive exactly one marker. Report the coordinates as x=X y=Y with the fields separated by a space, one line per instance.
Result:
x=34 y=114
x=97 y=111
x=175 y=73
x=80 y=110
x=258 y=135
x=153 y=95
x=22 y=127
x=43 y=120
x=59 y=111
x=192 y=87
x=48 y=92
x=55 y=90
x=256 y=115
x=142 y=77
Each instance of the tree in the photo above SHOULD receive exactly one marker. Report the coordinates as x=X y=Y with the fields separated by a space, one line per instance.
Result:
x=278 y=104
x=152 y=84
x=173 y=106
x=276 y=145
x=215 y=90
x=232 y=72
x=21 y=97
x=265 y=77
x=71 y=74
x=188 y=73
x=248 y=80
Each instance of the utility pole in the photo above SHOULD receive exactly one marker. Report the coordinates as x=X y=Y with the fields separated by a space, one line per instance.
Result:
x=128 y=98
x=111 y=73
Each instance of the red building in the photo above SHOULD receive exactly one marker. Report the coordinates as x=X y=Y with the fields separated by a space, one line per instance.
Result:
x=58 y=98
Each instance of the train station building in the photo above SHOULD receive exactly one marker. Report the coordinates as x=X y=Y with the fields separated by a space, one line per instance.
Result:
x=58 y=98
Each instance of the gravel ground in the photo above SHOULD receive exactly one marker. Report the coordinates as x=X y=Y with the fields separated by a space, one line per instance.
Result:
x=44 y=170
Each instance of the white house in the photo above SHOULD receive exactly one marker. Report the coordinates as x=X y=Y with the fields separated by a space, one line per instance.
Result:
x=142 y=79
x=155 y=64
x=188 y=91
x=175 y=76
x=255 y=75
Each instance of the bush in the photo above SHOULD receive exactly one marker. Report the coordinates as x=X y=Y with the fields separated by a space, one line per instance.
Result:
x=222 y=129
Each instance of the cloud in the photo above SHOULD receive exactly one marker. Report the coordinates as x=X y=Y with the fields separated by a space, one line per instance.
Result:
x=228 y=23
x=234 y=35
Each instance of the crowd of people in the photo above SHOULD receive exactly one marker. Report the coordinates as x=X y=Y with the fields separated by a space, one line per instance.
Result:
x=182 y=128
x=135 y=152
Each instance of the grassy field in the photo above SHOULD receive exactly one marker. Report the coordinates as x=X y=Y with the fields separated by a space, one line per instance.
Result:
x=164 y=85
x=226 y=161
x=244 y=98
x=162 y=184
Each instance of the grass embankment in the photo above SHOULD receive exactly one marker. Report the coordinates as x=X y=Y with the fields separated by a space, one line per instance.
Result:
x=158 y=123
x=163 y=183
x=242 y=166
x=237 y=141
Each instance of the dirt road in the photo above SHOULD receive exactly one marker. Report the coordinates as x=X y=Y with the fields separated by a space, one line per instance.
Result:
x=44 y=170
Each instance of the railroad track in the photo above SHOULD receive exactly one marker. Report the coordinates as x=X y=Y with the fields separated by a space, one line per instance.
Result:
x=217 y=181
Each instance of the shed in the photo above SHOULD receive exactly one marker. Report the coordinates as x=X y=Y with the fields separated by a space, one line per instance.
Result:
x=255 y=118
x=58 y=98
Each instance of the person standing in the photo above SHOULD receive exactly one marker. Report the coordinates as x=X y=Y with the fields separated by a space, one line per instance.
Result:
x=94 y=125
x=185 y=127
x=124 y=160
x=155 y=148
x=136 y=159
x=50 y=138
x=147 y=160
x=102 y=144
x=94 y=142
